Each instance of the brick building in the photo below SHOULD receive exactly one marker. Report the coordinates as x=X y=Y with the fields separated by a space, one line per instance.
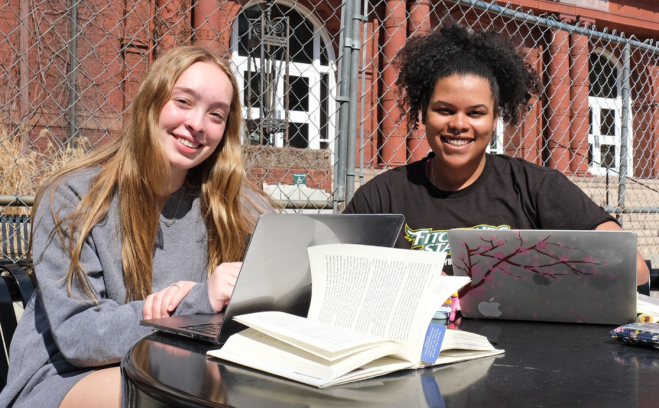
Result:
x=574 y=127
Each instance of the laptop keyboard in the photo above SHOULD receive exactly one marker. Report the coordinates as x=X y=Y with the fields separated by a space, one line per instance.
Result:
x=212 y=329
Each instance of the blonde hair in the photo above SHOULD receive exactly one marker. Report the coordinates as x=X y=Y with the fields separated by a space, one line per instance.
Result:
x=143 y=185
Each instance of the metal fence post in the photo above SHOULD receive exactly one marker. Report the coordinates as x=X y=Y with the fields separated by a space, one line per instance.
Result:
x=73 y=62
x=24 y=45
x=344 y=99
x=354 y=102
x=336 y=165
x=361 y=99
x=622 y=183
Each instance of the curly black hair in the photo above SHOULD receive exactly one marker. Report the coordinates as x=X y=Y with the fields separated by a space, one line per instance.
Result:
x=454 y=49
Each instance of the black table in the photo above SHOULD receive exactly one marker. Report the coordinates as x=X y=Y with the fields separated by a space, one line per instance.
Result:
x=545 y=365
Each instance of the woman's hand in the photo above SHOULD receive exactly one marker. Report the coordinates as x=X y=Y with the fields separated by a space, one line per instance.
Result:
x=221 y=283
x=163 y=303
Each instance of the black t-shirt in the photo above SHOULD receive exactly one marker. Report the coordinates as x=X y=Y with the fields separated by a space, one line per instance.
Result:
x=511 y=193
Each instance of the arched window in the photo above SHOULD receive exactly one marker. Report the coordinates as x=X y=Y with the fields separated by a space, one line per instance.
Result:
x=605 y=114
x=311 y=79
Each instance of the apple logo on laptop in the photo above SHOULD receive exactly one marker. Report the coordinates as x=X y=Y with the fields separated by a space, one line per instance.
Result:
x=489 y=308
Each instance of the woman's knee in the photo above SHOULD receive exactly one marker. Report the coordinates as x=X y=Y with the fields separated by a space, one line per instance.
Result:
x=100 y=389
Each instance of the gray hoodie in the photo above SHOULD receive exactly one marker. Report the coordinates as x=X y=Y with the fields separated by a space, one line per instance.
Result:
x=59 y=339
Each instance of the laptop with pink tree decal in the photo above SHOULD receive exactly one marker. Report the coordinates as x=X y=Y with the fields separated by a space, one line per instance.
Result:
x=542 y=275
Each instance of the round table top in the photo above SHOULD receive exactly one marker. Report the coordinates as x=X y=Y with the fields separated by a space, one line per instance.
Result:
x=544 y=364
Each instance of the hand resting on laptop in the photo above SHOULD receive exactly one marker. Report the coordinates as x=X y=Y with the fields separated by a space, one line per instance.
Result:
x=163 y=302
x=221 y=283
x=220 y=287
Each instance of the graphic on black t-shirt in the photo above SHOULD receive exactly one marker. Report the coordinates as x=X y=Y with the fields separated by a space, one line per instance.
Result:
x=428 y=239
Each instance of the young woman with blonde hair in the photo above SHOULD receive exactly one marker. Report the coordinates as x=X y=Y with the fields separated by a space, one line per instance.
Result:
x=150 y=225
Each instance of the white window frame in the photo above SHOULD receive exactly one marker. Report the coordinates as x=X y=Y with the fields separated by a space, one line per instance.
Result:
x=312 y=72
x=595 y=138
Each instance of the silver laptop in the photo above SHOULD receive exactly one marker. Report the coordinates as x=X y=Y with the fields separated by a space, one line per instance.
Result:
x=559 y=276
x=275 y=274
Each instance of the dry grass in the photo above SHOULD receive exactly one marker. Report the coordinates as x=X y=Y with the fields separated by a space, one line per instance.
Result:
x=23 y=169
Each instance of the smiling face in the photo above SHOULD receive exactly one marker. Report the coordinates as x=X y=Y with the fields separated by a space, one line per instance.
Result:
x=193 y=120
x=459 y=123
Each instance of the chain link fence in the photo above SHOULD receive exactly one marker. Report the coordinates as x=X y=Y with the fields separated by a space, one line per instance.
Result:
x=317 y=85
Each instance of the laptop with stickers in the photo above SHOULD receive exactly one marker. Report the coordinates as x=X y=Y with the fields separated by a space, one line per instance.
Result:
x=560 y=276
x=428 y=239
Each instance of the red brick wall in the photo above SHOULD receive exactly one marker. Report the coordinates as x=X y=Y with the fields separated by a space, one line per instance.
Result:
x=320 y=179
x=108 y=77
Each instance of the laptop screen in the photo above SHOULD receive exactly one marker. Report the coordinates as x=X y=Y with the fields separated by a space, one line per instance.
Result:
x=275 y=275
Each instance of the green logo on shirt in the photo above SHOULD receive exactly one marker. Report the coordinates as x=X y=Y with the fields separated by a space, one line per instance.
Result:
x=427 y=239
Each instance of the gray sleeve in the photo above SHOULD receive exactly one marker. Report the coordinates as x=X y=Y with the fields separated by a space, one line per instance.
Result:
x=88 y=333
x=196 y=301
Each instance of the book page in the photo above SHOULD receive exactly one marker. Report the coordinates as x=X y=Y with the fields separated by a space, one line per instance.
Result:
x=384 y=292
x=454 y=356
x=324 y=340
x=456 y=339
x=445 y=287
x=258 y=350
x=375 y=368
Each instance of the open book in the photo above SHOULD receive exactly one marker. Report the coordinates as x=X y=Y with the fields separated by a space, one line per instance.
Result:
x=370 y=314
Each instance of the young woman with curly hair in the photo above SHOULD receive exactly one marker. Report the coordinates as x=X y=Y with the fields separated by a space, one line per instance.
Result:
x=458 y=83
x=150 y=225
